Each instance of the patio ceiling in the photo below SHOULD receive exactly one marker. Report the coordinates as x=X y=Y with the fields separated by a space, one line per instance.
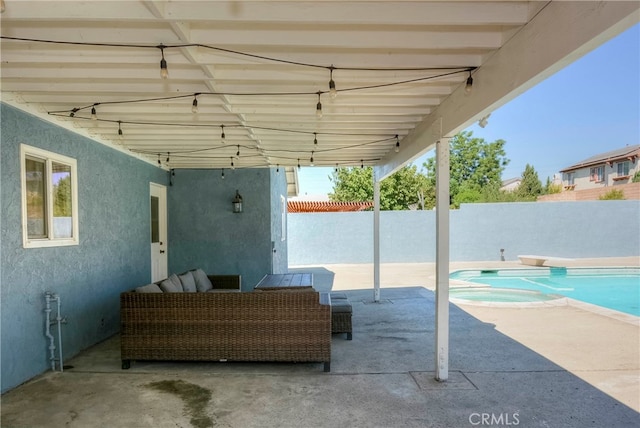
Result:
x=257 y=70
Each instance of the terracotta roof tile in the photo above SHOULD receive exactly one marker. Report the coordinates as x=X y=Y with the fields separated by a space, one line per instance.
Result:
x=326 y=206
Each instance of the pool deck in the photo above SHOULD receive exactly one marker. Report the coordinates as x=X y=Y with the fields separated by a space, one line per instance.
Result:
x=558 y=366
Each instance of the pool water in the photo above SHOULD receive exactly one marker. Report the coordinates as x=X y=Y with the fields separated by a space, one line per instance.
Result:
x=613 y=288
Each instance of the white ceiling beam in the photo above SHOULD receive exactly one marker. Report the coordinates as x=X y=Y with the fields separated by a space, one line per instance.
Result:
x=561 y=33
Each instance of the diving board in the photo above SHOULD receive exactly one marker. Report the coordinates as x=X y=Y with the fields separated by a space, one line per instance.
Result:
x=531 y=260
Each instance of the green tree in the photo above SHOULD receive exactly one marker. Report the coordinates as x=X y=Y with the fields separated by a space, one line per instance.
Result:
x=550 y=188
x=62 y=197
x=530 y=187
x=474 y=166
x=397 y=192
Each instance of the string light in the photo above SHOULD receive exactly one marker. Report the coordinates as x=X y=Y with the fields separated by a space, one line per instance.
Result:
x=164 y=72
x=168 y=156
x=336 y=170
x=278 y=168
x=332 y=85
x=194 y=105
x=319 y=107
x=223 y=172
x=397 y=144
x=361 y=163
x=222 y=135
x=232 y=165
x=315 y=138
x=311 y=160
x=94 y=115
x=159 y=161
x=298 y=164
x=238 y=152
x=120 y=135
x=469 y=84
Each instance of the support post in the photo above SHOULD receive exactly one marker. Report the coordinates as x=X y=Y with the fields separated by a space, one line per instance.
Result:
x=442 y=259
x=376 y=238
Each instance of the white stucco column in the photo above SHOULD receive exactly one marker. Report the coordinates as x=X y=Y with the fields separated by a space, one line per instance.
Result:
x=442 y=259
x=376 y=238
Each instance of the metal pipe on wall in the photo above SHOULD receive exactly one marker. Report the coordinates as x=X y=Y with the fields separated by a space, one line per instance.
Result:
x=47 y=332
x=49 y=297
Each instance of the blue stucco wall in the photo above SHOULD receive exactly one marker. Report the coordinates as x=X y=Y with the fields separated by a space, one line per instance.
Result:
x=113 y=254
x=478 y=232
x=278 y=233
x=205 y=233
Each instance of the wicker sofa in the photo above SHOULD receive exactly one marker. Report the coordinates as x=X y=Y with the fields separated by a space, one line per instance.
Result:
x=226 y=326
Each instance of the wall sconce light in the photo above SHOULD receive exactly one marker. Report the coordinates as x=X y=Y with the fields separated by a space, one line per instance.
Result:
x=237 y=203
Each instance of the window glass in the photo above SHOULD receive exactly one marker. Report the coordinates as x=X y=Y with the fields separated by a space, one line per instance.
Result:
x=36 y=198
x=62 y=215
x=155 y=219
x=623 y=168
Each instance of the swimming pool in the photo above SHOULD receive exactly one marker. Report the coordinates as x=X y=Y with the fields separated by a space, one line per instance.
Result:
x=613 y=288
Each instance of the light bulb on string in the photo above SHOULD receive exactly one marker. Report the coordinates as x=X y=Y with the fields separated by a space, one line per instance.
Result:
x=336 y=169
x=311 y=160
x=94 y=115
x=298 y=164
x=397 y=149
x=332 y=85
x=120 y=134
x=232 y=164
x=164 y=72
x=222 y=136
x=315 y=138
x=469 y=85
x=238 y=152
x=194 y=105
x=222 y=176
x=361 y=163
x=159 y=161
x=278 y=168
x=319 y=107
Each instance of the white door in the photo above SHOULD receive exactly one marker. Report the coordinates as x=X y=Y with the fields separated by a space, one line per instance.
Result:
x=159 y=264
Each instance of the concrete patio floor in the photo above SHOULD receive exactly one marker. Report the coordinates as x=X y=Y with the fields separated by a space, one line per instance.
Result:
x=557 y=366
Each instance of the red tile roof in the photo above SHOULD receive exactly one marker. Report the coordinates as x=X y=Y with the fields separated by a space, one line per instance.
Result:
x=326 y=206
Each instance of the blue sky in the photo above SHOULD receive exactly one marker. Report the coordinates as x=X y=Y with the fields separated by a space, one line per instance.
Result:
x=589 y=107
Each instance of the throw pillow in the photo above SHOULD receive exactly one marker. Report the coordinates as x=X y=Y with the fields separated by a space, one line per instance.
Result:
x=169 y=287
x=149 y=288
x=202 y=281
x=188 y=283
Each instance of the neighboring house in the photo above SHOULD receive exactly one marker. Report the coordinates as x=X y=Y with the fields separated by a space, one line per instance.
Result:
x=511 y=184
x=603 y=170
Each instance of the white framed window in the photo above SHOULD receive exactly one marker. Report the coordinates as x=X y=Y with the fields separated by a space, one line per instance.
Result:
x=49 y=198
x=597 y=173
x=623 y=168
x=570 y=178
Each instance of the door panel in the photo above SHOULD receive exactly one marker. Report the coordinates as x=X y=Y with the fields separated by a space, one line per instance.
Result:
x=158 y=220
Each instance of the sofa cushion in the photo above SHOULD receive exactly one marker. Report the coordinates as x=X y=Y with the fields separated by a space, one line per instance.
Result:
x=168 y=286
x=202 y=281
x=176 y=281
x=149 y=288
x=188 y=283
x=341 y=306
